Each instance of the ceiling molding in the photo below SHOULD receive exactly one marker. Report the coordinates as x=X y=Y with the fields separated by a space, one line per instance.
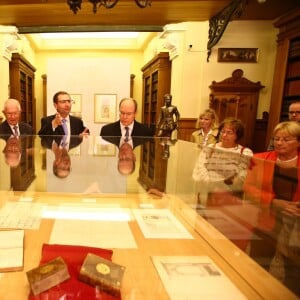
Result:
x=90 y=28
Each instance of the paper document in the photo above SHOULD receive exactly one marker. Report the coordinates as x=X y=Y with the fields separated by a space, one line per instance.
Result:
x=160 y=224
x=102 y=234
x=11 y=250
x=194 y=278
x=22 y=215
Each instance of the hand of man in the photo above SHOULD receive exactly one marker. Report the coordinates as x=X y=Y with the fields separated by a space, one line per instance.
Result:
x=85 y=132
x=57 y=121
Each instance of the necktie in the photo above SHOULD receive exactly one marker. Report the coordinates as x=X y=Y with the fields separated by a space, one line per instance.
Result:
x=16 y=133
x=64 y=125
x=126 y=134
x=64 y=141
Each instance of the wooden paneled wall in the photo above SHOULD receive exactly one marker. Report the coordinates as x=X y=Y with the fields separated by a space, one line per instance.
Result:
x=186 y=127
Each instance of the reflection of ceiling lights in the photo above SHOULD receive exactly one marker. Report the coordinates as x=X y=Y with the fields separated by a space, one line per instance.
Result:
x=89 y=35
x=75 y=5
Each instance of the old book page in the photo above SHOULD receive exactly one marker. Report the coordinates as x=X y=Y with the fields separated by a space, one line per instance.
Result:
x=11 y=250
x=194 y=278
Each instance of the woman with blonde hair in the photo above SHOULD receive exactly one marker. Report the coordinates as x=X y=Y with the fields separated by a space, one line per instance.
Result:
x=265 y=182
x=273 y=185
x=207 y=128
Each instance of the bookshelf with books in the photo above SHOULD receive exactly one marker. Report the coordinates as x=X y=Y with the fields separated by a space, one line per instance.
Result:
x=156 y=83
x=292 y=78
x=21 y=75
x=286 y=79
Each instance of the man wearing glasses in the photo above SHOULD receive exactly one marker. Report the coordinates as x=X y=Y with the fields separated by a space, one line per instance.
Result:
x=62 y=123
x=294 y=115
x=126 y=126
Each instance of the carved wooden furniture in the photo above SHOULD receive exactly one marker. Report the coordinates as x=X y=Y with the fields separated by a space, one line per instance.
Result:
x=286 y=80
x=237 y=97
x=185 y=128
x=156 y=83
x=21 y=76
x=24 y=174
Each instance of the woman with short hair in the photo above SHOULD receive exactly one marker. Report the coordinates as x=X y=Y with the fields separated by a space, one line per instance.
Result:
x=207 y=128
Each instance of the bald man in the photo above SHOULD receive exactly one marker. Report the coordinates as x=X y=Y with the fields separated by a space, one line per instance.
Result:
x=12 y=124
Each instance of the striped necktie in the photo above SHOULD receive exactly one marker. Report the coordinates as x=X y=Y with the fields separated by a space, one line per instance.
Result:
x=126 y=134
x=64 y=125
x=16 y=132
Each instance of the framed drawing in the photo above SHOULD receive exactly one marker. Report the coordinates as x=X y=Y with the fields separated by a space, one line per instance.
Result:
x=76 y=105
x=103 y=148
x=244 y=55
x=105 y=108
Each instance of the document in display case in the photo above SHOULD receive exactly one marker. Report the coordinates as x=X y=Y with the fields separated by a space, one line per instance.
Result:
x=11 y=250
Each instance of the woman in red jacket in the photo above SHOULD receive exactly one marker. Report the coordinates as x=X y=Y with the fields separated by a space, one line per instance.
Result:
x=273 y=176
x=273 y=183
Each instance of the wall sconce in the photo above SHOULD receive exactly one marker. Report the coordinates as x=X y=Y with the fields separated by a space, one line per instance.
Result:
x=75 y=5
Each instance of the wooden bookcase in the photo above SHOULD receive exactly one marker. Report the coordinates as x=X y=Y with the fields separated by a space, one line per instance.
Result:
x=156 y=83
x=286 y=80
x=21 y=75
x=24 y=174
x=291 y=90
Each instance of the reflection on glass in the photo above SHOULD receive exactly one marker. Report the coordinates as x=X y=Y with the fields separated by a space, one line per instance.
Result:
x=218 y=212
x=18 y=154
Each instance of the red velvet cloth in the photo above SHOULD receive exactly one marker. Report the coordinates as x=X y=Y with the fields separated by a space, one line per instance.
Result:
x=72 y=288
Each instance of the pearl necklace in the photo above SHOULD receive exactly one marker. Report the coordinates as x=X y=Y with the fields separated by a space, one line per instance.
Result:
x=285 y=161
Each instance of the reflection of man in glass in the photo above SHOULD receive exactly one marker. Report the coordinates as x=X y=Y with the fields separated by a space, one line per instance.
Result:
x=12 y=151
x=62 y=161
x=60 y=146
x=126 y=162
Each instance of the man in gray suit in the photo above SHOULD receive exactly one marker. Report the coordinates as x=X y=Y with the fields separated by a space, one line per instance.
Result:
x=12 y=125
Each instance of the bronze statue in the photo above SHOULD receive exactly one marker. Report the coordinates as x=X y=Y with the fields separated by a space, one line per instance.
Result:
x=168 y=119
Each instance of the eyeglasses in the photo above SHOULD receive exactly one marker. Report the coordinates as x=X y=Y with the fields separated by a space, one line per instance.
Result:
x=283 y=139
x=12 y=114
x=296 y=112
x=228 y=132
x=127 y=114
x=65 y=101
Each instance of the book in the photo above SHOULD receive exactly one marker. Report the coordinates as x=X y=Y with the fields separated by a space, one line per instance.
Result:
x=47 y=275
x=100 y=272
x=11 y=250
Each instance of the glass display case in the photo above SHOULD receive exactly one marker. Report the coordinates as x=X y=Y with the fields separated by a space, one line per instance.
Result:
x=193 y=240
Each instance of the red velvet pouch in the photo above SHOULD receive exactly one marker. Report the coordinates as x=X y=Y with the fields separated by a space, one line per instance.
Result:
x=72 y=288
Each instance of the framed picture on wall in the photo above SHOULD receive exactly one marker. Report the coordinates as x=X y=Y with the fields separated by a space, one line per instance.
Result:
x=243 y=55
x=103 y=148
x=105 y=108
x=76 y=105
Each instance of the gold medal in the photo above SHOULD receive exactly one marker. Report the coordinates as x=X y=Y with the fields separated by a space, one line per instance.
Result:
x=103 y=268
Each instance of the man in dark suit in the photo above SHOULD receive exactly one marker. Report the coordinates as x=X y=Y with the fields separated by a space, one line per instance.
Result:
x=12 y=124
x=60 y=146
x=126 y=125
x=126 y=156
x=69 y=143
x=62 y=123
x=18 y=149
